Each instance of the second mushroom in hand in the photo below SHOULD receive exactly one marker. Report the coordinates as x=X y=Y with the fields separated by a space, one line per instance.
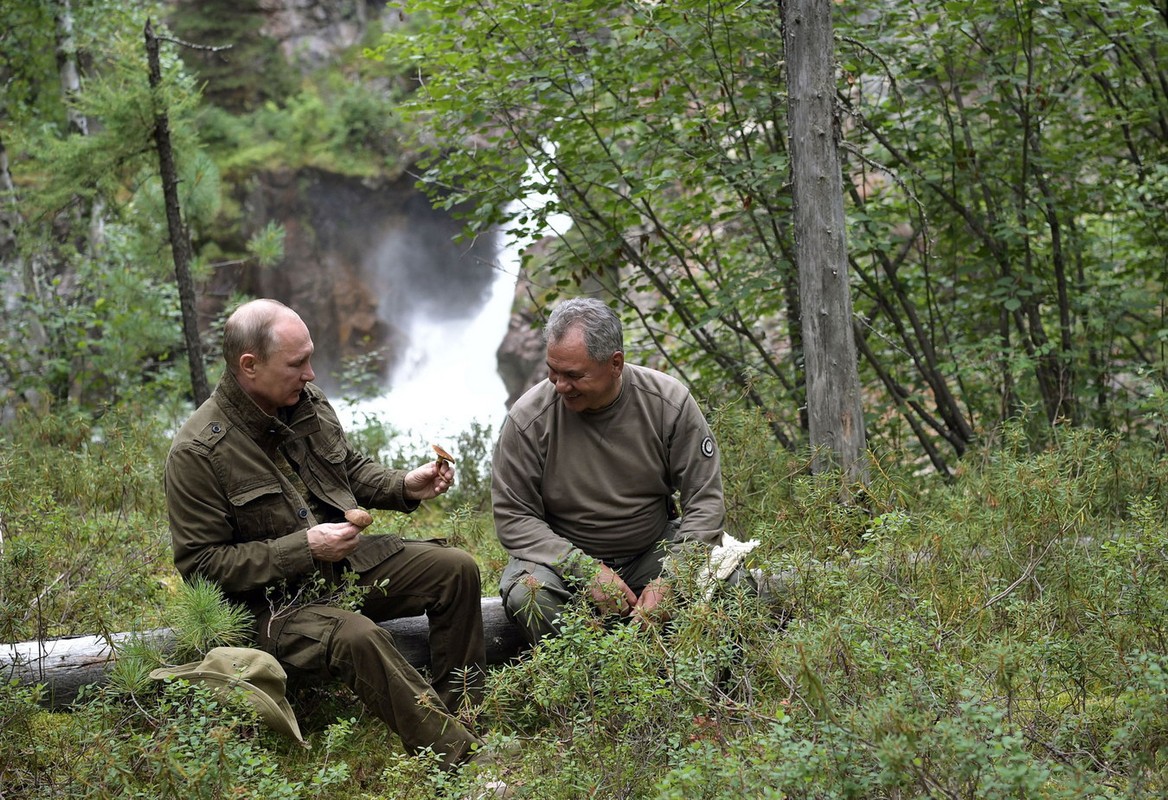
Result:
x=443 y=456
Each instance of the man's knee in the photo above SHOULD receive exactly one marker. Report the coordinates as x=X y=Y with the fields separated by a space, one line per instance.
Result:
x=525 y=592
x=460 y=566
x=534 y=600
x=465 y=565
x=354 y=631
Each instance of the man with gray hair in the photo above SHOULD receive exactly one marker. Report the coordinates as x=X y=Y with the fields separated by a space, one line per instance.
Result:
x=584 y=475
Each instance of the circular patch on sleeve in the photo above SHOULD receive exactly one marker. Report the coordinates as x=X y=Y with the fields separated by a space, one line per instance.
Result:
x=708 y=447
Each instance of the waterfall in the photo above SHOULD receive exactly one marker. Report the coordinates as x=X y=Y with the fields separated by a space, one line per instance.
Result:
x=448 y=379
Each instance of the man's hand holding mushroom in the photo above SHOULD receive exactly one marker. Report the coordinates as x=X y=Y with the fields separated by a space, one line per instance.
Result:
x=333 y=541
x=429 y=480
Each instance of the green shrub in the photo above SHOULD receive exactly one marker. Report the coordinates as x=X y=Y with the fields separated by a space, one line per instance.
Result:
x=86 y=547
x=1001 y=635
x=189 y=743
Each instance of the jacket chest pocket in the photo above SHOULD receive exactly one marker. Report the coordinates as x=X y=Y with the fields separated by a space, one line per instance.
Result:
x=263 y=512
x=324 y=471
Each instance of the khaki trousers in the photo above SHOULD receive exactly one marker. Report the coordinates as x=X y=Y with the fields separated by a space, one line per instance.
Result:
x=428 y=578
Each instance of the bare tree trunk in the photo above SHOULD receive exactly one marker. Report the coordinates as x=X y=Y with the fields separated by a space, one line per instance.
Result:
x=67 y=70
x=70 y=78
x=180 y=245
x=834 y=411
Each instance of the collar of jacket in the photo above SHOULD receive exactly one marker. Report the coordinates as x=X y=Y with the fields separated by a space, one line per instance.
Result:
x=243 y=411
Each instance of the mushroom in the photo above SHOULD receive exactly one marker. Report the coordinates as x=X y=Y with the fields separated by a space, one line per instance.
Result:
x=442 y=455
x=359 y=517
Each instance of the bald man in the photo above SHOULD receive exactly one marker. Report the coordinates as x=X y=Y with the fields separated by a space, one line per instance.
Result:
x=257 y=482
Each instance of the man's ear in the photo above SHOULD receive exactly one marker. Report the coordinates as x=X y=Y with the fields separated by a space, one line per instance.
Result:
x=618 y=362
x=248 y=364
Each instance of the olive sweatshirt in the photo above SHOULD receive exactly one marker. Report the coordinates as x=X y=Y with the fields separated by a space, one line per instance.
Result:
x=600 y=483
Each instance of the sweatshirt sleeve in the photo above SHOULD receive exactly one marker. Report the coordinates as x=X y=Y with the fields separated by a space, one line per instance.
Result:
x=202 y=535
x=696 y=470
x=516 y=470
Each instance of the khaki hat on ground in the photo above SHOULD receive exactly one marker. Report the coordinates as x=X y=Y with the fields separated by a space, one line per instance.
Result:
x=257 y=673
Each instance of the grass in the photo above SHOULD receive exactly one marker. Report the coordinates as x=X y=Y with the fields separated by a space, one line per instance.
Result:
x=1001 y=635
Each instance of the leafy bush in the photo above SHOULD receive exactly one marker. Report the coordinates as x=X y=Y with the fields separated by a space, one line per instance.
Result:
x=185 y=742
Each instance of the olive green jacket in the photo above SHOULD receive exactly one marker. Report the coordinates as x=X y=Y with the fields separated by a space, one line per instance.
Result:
x=237 y=520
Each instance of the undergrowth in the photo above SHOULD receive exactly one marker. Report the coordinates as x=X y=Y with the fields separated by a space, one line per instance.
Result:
x=1000 y=635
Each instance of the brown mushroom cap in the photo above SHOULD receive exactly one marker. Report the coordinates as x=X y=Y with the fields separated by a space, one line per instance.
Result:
x=442 y=453
x=359 y=517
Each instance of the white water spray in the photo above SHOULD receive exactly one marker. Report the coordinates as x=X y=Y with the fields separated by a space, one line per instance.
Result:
x=448 y=379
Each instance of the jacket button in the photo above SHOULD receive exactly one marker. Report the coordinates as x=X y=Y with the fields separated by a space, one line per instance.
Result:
x=302 y=513
x=216 y=428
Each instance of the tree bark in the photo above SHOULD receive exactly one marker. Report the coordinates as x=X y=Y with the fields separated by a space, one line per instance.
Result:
x=180 y=244
x=834 y=412
x=70 y=77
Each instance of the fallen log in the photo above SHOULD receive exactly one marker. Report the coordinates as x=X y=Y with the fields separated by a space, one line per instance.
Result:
x=64 y=665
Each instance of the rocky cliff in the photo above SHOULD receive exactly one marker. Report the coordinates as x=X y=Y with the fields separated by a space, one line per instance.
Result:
x=361 y=262
x=363 y=257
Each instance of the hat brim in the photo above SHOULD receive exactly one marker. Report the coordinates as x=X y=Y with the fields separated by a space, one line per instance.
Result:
x=275 y=712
